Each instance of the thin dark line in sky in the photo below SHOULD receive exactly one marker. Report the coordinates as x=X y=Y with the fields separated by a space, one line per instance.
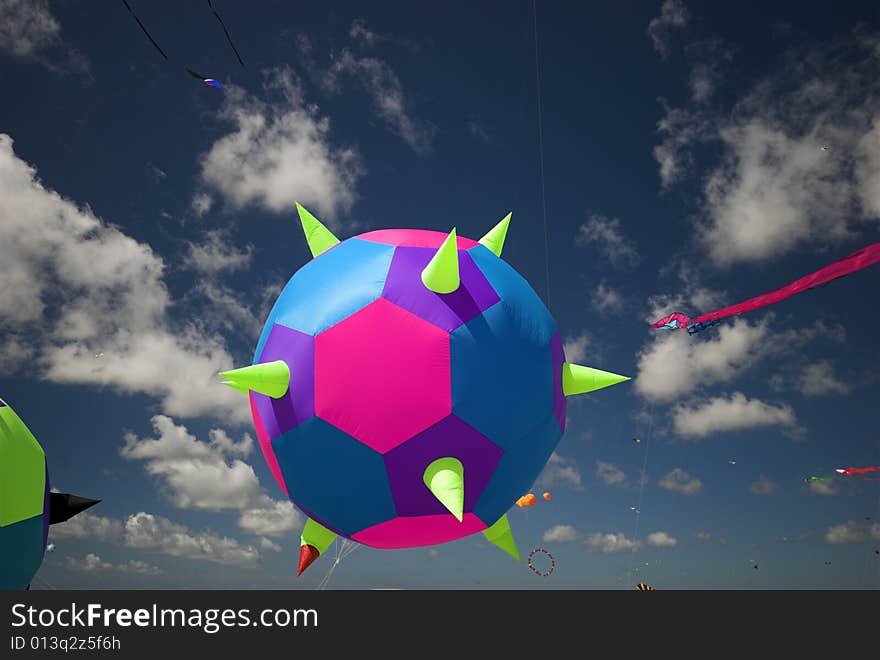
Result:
x=152 y=41
x=541 y=153
x=226 y=32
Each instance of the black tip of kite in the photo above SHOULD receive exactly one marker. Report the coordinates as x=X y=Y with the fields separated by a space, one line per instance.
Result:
x=64 y=506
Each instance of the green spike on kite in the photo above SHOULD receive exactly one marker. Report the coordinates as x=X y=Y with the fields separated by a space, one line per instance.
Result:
x=441 y=273
x=314 y=542
x=494 y=238
x=236 y=386
x=499 y=534
x=269 y=378
x=578 y=380
x=445 y=479
x=22 y=471
x=319 y=238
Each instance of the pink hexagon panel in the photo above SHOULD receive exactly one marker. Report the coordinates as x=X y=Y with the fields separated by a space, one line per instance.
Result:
x=380 y=359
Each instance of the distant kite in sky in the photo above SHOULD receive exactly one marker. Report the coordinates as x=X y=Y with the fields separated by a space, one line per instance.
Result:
x=210 y=82
x=867 y=256
x=527 y=500
x=858 y=472
x=547 y=572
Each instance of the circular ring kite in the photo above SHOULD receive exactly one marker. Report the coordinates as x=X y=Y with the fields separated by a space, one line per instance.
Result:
x=550 y=570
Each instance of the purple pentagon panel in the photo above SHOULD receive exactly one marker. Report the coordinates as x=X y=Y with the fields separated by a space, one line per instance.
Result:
x=404 y=287
x=557 y=357
x=406 y=465
x=297 y=349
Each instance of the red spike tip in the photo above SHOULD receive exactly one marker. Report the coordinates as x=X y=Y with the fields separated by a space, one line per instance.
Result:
x=307 y=554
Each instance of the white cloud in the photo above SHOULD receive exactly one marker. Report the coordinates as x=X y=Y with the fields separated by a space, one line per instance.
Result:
x=679 y=129
x=710 y=55
x=386 y=92
x=774 y=189
x=77 y=286
x=148 y=532
x=217 y=254
x=702 y=81
x=673 y=364
x=673 y=14
x=771 y=174
x=609 y=473
x=704 y=536
x=732 y=413
x=272 y=518
x=679 y=481
x=269 y=545
x=152 y=533
x=560 y=534
x=360 y=31
x=818 y=379
x=560 y=470
x=610 y=542
x=278 y=154
x=196 y=474
x=606 y=299
x=93 y=563
x=201 y=203
x=852 y=532
x=29 y=30
x=825 y=487
x=608 y=236
x=661 y=540
x=87 y=526
x=575 y=349
x=15 y=352
x=763 y=486
x=228 y=309
x=868 y=169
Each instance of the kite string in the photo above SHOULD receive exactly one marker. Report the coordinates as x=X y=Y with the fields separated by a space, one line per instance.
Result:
x=144 y=29
x=642 y=481
x=226 y=32
x=541 y=152
x=343 y=549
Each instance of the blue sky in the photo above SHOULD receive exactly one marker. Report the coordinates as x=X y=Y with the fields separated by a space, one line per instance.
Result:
x=147 y=224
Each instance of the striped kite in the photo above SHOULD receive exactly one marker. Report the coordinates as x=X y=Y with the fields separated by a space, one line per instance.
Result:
x=867 y=256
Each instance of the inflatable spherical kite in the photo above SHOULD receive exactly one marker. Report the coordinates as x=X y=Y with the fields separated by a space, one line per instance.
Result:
x=27 y=506
x=407 y=387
